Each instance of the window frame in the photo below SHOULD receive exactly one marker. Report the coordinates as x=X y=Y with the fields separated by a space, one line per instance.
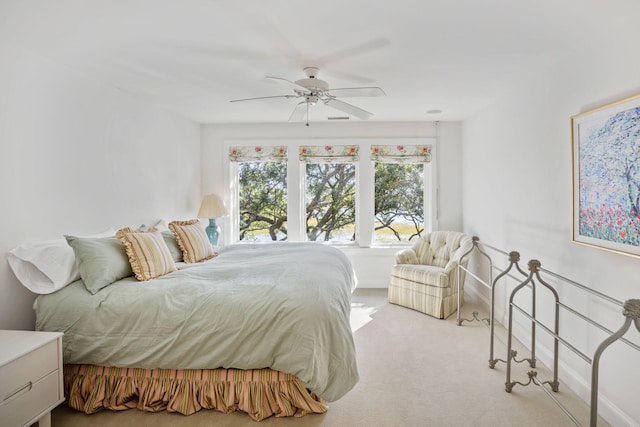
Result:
x=365 y=182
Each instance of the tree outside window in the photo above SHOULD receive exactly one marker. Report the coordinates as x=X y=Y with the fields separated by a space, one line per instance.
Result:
x=263 y=201
x=331 y=202
x=399 y=202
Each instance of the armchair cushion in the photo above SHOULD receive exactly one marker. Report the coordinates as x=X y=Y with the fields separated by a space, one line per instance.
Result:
x=434 y=276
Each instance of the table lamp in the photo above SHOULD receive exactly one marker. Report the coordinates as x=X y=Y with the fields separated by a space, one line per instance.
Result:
x=212 y=207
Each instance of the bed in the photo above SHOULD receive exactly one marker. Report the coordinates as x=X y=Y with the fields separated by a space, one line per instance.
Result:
x=262 y=328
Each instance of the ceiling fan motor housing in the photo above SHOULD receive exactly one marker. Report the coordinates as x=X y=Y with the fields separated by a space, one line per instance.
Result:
x=313 y=84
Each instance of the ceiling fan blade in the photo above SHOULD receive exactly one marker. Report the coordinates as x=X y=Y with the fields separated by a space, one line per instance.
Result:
x=289 y=84
x=299 y=112
x=351 y=51
x=357 y=91
x=348 y=76
x=348 y=108
x=263 y=97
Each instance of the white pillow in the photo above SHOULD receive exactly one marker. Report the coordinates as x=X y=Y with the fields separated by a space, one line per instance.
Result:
x=162 y=225
x=45 y=267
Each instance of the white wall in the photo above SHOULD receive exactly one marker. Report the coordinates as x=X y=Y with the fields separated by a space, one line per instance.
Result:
x=517 y=195
x=372 y=265
x=78 y=157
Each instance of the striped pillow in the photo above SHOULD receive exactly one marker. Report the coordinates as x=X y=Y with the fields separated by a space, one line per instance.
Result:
x=148 y=254
x=193 y=240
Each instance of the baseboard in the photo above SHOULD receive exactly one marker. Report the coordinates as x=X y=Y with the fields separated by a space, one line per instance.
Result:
x=483 y=300
x=472 y=291
x=373 y=285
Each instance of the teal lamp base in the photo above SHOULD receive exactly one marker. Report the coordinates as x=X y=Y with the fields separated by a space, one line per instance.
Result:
x=213 y=231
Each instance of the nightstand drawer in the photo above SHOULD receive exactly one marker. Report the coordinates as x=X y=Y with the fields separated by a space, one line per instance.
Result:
x=30 y=367
x=28 y=403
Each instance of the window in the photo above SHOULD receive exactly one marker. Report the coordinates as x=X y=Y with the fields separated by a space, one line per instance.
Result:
x=262 y=192
x=263 y=200
x=399 y=202
x=399 y=184
x=328 y=194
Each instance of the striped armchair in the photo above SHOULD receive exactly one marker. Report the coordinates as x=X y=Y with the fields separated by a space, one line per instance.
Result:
x=425 y=276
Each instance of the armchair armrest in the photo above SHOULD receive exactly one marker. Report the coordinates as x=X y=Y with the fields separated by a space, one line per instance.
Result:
x=451 y=265
x=457 y=257
x=406 y=256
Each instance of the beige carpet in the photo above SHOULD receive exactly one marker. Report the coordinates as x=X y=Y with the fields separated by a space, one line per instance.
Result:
x=414 y=371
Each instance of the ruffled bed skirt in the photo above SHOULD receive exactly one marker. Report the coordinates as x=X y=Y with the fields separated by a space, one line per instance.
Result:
x=260 y=393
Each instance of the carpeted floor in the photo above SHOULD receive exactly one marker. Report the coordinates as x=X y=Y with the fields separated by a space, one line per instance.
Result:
x=414 y=371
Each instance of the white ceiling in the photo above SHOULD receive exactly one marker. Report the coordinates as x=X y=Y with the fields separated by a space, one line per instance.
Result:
x=194 y=56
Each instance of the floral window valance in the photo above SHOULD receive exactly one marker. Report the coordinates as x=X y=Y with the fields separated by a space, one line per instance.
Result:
x=401 y=153
x=258 y=153
x=329 y=153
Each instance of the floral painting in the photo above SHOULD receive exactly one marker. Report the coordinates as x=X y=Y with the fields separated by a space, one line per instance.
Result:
x=606 y=177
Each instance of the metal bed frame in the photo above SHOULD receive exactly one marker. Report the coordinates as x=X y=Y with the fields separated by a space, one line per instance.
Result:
x=532 y=280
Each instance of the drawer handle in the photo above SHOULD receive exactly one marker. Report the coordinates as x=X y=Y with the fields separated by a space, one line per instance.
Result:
x=24 y=389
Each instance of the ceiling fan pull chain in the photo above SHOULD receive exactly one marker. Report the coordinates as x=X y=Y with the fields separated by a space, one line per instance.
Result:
x=307 y=114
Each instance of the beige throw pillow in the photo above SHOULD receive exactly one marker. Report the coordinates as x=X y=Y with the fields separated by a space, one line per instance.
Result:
x=148 y=254
x=193 y=240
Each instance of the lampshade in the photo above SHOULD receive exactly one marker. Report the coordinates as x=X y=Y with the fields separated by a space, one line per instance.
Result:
x=212 y=207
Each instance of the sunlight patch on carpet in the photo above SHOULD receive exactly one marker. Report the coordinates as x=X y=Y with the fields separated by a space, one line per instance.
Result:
x=360 y=315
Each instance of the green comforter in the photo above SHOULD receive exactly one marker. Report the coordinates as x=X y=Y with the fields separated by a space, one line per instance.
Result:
x=283 y=306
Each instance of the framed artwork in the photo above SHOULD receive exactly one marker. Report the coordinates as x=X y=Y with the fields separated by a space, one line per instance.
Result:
x=606 y=176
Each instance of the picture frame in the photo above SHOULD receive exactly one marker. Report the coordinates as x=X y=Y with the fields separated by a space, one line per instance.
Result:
x=605 y=150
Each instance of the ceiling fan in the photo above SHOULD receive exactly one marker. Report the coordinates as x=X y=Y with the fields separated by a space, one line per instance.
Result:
x=313 y=90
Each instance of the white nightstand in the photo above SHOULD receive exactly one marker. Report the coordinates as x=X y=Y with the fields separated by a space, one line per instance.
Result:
x=30 y=377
